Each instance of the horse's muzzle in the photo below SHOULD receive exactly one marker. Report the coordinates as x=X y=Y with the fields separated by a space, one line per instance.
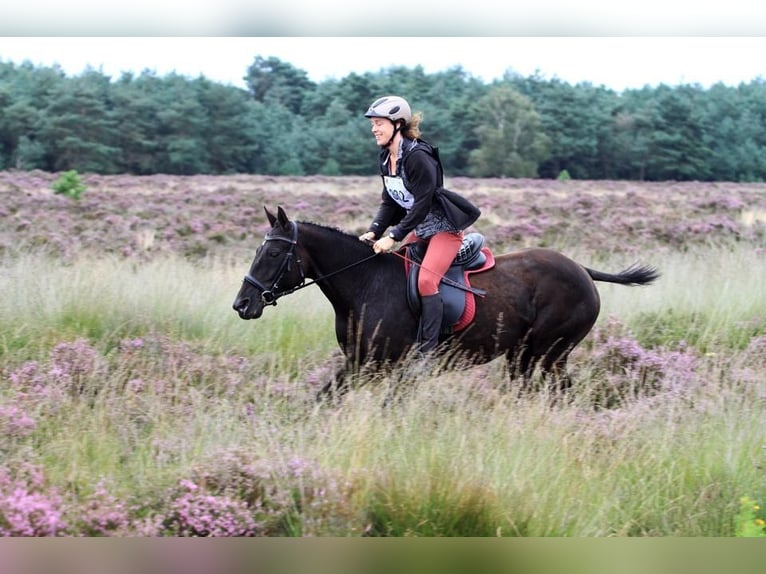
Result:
x=245 y=310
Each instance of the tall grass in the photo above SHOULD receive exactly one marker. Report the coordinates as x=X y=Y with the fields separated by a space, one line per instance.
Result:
x=109 y=299
x=706 y=297
x=143 y=380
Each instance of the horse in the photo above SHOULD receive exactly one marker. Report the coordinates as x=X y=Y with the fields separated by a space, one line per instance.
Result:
x=536 y=304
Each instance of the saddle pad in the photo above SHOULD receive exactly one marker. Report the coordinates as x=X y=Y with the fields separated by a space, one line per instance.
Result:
x=459 y=304
x=469 y=311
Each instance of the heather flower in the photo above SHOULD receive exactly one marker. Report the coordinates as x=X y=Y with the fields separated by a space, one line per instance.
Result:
x=36 y=384
x=177 y=361
x=75 y=359
x=194 y=512
x=15 y=422
x=194 y=216
x=28 y=377
x=235 y=495
x=128 y=345
x=757 y=347
x=626 y=365
x=27 y=507
x=724 y=202
x=71 y=365
x=102 y=514
x=135 y=385
x=250 y=411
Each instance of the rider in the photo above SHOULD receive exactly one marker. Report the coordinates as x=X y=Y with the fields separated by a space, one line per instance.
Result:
x=413 y=200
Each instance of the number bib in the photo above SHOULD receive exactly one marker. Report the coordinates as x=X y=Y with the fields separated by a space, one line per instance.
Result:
x=397 y=191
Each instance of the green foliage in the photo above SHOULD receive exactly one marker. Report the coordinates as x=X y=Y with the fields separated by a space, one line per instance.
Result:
x=751 y=521
x=29 y=154
x=78 y=125
x=69 y=184
x=272 y=81
x=331 y=167
x=284 y=123
x=511 y=140
x=703 y=330
x=563 y=175
x=677 y=142
x=577 y=121
x=444 y=509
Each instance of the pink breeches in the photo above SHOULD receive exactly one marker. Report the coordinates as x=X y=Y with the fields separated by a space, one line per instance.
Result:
x=441 y=251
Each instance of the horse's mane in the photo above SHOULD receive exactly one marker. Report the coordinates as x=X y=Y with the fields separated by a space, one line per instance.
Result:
x=351 y=240
x=343 y=235
x=328 y=227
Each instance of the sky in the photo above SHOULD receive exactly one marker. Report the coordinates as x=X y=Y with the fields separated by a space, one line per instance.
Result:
x=605 y=42
x=615 y=62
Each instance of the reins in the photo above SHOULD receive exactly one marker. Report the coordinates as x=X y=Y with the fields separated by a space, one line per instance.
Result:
x=341 y=270
x=270 y=296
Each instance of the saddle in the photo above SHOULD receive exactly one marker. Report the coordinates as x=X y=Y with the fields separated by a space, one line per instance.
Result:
x=457 y=293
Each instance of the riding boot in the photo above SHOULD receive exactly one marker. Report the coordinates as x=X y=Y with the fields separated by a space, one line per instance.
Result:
x=431 y=313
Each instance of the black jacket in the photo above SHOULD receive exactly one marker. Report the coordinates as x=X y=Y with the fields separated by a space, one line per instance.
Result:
x=421 y=170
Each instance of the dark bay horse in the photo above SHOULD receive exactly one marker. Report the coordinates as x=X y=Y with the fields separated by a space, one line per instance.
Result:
x=538 y=305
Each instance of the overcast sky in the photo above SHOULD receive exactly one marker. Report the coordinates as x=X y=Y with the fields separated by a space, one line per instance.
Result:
x=616 y=62
x=605 y=42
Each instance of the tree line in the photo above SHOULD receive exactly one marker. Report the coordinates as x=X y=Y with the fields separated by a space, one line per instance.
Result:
x=283 y=123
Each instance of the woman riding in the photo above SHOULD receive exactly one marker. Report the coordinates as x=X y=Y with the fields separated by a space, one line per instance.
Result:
x=415 y=201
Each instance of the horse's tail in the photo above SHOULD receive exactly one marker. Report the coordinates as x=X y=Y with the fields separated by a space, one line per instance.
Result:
x=634 y=275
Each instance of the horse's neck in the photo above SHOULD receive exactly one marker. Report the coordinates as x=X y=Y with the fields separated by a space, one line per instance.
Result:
x=330 y=250
x=328 y=253
x=346 y=270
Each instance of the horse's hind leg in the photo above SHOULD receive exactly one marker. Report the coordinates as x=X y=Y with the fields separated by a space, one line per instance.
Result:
x=554 y=368
x=335 y=388
x=521 y=366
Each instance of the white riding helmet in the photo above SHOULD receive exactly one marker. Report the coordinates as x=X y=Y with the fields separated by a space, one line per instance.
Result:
x=391 y=107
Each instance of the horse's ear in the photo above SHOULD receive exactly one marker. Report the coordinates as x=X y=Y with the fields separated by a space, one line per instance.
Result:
x=270 y=216
x=282 y=216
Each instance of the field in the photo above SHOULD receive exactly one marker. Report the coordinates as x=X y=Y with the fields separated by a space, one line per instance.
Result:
x=134 y=401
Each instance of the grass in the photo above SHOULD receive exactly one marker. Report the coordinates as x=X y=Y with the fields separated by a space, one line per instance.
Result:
x=108 y=299
x=447 y=463
x=707 y=297
x=144 y=376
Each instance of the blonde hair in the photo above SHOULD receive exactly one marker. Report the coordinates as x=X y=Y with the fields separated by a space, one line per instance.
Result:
x=412 y=129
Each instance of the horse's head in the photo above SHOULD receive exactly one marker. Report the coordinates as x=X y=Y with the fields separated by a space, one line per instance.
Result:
x=276 y=268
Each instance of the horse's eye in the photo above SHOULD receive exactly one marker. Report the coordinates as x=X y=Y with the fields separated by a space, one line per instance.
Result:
x=273 y=253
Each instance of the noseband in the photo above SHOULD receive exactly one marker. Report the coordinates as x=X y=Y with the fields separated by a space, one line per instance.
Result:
x=269 y=296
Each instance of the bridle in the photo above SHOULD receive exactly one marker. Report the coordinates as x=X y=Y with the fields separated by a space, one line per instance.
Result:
x=270 y=295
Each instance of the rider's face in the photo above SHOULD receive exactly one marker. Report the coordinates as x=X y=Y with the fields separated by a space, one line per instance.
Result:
x=382 y=129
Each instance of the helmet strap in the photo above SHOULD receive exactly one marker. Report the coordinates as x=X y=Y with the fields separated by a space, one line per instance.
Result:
x=397 y=128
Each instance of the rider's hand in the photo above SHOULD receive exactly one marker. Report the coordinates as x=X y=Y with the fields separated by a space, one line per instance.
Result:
x=384 y=245
x=368 y=237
